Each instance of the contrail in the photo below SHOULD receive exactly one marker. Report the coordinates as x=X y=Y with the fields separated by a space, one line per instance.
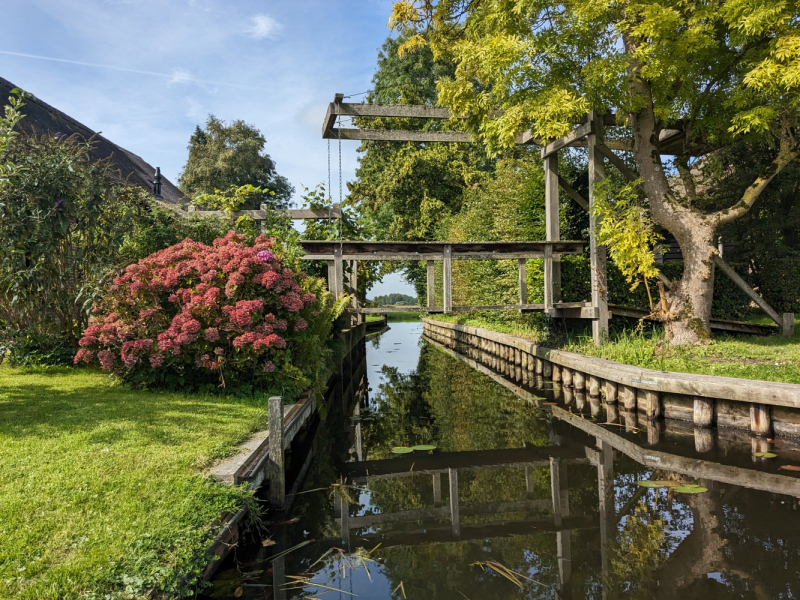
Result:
x=175 y=77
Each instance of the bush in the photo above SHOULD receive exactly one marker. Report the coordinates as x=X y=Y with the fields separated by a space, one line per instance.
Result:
x=230 y=315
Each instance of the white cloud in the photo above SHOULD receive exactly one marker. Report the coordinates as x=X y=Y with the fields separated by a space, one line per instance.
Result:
x=180 y=76
x=263 y=26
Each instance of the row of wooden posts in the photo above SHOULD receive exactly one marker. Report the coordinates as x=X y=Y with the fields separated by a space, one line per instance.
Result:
x=529 y=370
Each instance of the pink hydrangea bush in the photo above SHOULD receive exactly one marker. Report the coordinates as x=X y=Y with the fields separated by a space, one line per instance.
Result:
x=192 y=316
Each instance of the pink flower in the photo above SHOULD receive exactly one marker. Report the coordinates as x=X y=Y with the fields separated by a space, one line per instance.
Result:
x=300 y=324
x=268 y=367
x=156 y=360
x=211 y=334
x=83 y=355
x=265 y=256
x=106 y=358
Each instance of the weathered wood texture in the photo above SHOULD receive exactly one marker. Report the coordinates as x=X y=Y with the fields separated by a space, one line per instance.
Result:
x=709 y=386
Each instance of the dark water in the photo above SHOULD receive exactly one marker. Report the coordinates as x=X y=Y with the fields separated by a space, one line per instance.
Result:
x=517 y=500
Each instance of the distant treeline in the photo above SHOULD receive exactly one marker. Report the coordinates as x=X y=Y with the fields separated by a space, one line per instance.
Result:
x=395 y=300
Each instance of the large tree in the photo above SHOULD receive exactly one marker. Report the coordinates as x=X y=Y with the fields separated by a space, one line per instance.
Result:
x=404 y=190
x=230 y=155
x=719 y=71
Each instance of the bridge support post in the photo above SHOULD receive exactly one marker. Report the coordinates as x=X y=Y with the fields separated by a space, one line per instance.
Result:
x=597 y=253
x=431 y=284
x=447 y=272
x=523 y=281
x=552 y=264
x=276 y=470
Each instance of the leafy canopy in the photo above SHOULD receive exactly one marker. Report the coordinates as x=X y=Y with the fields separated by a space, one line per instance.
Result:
x=224 y=156
x=720 y=68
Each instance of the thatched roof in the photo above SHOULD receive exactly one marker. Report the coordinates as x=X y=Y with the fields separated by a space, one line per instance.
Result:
x=41 y=118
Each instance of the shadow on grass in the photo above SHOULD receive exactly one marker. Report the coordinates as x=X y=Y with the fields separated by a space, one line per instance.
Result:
x=108 y=412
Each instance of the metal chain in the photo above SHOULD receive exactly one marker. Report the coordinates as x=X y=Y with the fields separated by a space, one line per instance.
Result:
x=329 y=169
x=341 y=220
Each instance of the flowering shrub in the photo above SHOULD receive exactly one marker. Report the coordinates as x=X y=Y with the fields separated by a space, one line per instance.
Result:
x=229 y=315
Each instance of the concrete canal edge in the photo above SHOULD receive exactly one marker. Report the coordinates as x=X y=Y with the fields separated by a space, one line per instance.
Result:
x=764 y=408
x=256 y=457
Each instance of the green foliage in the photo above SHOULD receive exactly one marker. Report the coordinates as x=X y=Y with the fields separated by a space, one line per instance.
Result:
x=11 y=116
x=545 y=63
x=625 y=228
x=231 y=155
x=62 y=222
x=405 y=190
x=233 y=199
x=394 y=300
x=640 y=553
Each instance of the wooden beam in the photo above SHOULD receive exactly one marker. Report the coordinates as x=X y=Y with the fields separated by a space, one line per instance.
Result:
x=392 y=110
x=398 y=135
x=275 y=467
x=447 y=277
x=330 y=116
x=597 y=253
x=335 y=212
x=552 y=262
x=573 y=136
x=431 y=287
x=617 y=162
x=523 y=280
x=573 y=193
x=742 y=284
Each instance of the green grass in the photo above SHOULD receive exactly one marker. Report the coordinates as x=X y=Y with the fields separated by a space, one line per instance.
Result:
x=102 y=491
x=521 y=328
x=772 y=358
x=369 y=318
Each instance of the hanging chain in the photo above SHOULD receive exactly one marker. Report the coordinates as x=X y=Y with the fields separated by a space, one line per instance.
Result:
x=341 y=220
x=329 y=169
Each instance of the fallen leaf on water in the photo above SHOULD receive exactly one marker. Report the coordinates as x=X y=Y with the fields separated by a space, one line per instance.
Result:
x=774 y=441
x=690 y=489
x=765 y=454
x=658 y=484
x=423 y=447
x=402 y=450
x=790 y=467
x=238 y=593
x=549 y=404
x=267 y=543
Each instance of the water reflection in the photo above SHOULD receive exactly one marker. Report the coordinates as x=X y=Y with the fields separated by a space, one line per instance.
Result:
x=518 y=500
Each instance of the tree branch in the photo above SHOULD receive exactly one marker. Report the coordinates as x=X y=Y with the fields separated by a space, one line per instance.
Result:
x=682 y=164
x=787 y=154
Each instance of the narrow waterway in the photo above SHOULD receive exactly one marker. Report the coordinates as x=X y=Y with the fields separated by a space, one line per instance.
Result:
x=515 y=500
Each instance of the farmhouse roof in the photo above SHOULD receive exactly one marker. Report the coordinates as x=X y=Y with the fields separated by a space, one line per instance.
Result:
x=41 y=118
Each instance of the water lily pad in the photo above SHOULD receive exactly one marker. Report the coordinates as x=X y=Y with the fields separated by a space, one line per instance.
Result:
x=657 y=484
x=765 y=454
x=402 y=450
x=423 y=447
x=690 y=488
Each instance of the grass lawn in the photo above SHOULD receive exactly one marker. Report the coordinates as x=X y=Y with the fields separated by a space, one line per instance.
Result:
x=102 y=492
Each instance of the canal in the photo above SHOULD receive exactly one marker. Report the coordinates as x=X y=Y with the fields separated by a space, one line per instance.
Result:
x=441 y=483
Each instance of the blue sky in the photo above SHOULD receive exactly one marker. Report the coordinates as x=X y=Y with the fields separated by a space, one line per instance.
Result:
x=146 y=72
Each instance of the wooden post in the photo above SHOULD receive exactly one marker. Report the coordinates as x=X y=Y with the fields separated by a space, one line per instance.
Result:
x=597 y=253
x=627 y=396
x=454 y=517
x=279 y=566
x=579 y=381
x=611 y=392
x=788 y=324
x=703 y=439
x=523 y=281
x=529 y=483
x=605 y=493
x=651 y=403
x=539 y=366
x=547 y=370
x=354 y=282
x=431 y=284
x=332 y=277
x=552 y=264
x=560 y=495
x=594 y=386
x=760 y=421
x=338 y=278
x=556 y=373
x=447 y=277
x=437 y=489
x=742 y=284
x=555 y=490
x=566 y=377
x=275 y=468
x=703 y=412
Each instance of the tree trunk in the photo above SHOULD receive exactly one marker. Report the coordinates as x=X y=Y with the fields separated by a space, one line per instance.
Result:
x=687 y=320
